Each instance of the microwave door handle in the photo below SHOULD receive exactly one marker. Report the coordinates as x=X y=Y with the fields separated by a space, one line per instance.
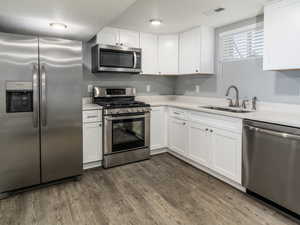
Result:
x=135 y=60
x=35 y=89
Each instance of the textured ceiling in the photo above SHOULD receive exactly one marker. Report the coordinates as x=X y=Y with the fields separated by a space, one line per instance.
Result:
x=84 y=18
x=179 y=15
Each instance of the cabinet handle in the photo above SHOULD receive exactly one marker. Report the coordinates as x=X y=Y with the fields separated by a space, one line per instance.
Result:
x=206 y=129
x=100 y=125
x=211 y=131
x=121 y=44
x=183 y=123
x=89 y=117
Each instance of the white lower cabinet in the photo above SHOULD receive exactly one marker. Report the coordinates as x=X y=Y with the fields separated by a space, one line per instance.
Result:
x=211 y=141
x=200 y=143
x=157 y=131
x=227 y=154
x=92 y=138
x=178 y=135
x=92 y=142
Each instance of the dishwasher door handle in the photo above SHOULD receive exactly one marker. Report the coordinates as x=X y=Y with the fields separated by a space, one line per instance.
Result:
x=274 y=133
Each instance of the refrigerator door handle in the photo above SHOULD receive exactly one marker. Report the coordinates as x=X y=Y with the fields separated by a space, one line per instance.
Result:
x=35 y=89
x=43 y=96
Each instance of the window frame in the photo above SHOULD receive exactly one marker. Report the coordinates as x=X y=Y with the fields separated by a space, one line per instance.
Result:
x=241 y=30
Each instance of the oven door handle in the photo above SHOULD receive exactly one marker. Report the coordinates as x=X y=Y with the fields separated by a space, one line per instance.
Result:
x=124 y=117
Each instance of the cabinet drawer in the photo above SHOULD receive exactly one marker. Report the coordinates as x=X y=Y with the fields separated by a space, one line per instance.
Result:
x=178 y=113
x=217 y=121
x=92 y=116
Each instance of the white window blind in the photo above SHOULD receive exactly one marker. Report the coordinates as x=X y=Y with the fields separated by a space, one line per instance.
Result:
x=244 y=43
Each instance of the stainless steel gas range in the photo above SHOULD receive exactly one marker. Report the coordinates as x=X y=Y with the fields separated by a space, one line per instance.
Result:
x=126 y=126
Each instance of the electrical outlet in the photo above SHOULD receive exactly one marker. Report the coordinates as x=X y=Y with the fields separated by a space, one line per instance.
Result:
x=197 y=88
x=148 y=87
x=90 y=88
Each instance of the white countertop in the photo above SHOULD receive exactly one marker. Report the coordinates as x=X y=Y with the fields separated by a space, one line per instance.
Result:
x=89 y=106
x=284 y=114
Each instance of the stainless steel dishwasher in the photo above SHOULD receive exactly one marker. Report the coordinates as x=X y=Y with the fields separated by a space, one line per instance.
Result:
x=271 y=163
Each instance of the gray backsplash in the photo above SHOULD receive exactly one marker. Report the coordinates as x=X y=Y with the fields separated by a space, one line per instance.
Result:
x=159 y=85
x=247 y=75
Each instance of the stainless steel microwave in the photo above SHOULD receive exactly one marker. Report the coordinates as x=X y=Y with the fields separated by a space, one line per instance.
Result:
x=110 y=58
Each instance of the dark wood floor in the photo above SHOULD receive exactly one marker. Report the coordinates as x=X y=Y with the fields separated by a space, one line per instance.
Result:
x=163 y=190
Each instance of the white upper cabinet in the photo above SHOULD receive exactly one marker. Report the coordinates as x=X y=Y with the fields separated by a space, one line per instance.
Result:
x=149 y=46
x=114 y=36
x=197 y=51
x=108 y=36
x=130 y=38
x=282 y=32
x=168 y=54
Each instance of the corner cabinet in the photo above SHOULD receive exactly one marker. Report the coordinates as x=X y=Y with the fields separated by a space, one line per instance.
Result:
x=282 y=32
x=197 y=51
x=168 y=54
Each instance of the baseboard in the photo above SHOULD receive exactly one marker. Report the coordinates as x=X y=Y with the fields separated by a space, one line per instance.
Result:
x=158 y=151
x=92 y=165
x=209 y=171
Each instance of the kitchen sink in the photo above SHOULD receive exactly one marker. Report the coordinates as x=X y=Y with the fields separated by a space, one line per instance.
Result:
x=227 y=109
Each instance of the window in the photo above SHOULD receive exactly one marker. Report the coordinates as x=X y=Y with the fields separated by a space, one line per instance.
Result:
x=244 y=43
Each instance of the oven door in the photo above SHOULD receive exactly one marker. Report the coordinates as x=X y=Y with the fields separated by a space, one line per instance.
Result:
x=119 y=59
x=125 y=133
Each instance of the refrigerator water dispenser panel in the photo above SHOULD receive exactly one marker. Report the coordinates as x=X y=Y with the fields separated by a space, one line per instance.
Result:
x=19 y=97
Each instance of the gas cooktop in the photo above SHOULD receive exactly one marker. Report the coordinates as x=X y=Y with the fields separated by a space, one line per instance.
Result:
x=121 y=104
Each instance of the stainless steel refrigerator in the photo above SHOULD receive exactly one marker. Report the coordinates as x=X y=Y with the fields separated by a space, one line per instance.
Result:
x=40 y=110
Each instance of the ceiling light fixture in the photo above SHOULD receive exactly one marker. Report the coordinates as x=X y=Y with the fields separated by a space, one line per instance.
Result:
x=58 y=26
x=155 y=22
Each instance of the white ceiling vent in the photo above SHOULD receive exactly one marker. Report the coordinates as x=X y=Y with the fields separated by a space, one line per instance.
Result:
x=214 y=11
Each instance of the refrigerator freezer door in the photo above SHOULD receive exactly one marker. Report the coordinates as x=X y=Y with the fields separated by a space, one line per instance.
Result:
x=61 y=109
x=19 y=109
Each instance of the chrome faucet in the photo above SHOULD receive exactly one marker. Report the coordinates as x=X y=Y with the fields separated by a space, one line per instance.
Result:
x=237 y=101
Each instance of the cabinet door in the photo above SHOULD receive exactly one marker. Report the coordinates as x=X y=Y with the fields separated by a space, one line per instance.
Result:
x=282 y=31
x=178 y=136
x=200 y=146
x=157 y=134
x=207 y=59
x=130 y=38
x=108 y=36
x=149 y=46
x=92 y=142
x=168 y=54
x=190 y=51
x=227 y=154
